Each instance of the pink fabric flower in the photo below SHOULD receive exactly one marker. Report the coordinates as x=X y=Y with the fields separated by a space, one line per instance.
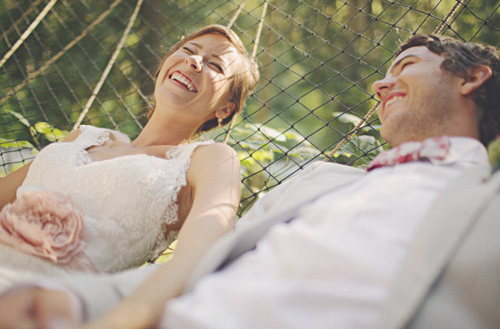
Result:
x=46 y=225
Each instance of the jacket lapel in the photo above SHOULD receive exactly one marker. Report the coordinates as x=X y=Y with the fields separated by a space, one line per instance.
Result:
x=285 y=201
x=440 y=233
x=302 y=189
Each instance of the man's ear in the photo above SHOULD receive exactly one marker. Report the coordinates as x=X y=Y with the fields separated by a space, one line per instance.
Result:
x=226 y=111
x=477 y=76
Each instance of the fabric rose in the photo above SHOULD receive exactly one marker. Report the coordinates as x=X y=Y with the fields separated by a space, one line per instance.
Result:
x=46 y=225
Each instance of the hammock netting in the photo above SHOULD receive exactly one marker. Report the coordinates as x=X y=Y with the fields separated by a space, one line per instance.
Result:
x=317 y=60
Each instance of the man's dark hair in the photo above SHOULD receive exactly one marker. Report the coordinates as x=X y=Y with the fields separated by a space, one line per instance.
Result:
x=459 y=56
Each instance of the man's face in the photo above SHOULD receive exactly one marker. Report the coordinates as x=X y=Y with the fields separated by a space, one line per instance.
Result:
x=417 y=97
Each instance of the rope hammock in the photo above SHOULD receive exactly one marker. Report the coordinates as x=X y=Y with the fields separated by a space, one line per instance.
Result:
x=110 y=65
x=59 y=54
x=66 y=63
x=28 y=31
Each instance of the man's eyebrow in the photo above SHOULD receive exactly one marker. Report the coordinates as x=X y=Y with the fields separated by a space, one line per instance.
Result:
x=398 y=62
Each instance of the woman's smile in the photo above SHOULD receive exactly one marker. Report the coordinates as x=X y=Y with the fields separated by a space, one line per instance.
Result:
x=183 y=81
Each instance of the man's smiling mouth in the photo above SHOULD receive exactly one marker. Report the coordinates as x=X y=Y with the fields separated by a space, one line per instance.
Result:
x=176 y=76
x=393 y=100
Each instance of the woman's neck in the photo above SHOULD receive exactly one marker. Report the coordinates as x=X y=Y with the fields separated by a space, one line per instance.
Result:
x=163 y=132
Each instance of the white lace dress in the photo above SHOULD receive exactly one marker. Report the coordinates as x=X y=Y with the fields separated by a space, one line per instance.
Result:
x=128 y=201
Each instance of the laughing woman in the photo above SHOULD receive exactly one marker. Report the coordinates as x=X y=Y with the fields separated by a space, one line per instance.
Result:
x=98 y=202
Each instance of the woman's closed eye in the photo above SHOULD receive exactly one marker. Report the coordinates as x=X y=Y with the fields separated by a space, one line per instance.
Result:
x=217 y=67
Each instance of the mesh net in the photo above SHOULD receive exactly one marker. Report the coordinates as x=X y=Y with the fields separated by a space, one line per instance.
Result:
x=317 y=60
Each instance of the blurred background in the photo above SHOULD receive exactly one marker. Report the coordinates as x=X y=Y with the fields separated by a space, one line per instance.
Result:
x=317 y=60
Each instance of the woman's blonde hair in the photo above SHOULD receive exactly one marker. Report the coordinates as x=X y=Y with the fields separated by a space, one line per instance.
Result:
x=241 y=84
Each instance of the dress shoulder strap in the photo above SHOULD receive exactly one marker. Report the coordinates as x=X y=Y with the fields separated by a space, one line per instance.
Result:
x=90 y=135
x=183 y=152
x=179 y=160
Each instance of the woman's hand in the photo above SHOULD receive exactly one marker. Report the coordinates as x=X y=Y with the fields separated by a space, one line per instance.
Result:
x=36 y=307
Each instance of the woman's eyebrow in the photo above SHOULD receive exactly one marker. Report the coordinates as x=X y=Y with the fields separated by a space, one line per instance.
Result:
x=199 y=46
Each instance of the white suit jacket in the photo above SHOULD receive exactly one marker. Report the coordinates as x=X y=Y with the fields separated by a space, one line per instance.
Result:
x=449 y=279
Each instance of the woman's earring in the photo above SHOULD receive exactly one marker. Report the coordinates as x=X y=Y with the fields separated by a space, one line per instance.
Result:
x=219 y=120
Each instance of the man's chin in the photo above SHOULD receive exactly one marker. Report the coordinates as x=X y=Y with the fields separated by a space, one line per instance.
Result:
x=394 y=136
x=387 y=136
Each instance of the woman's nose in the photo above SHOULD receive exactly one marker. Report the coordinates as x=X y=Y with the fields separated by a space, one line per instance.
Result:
x=194 y=62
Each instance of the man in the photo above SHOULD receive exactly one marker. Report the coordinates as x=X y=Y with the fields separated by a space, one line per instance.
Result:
x=409 y=244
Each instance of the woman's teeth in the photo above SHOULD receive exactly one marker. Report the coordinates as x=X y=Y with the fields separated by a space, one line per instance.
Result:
x=179 y=77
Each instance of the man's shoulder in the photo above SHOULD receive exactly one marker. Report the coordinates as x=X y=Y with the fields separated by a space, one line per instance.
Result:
x=315 y=179
x=322 y=167
x=321 y=173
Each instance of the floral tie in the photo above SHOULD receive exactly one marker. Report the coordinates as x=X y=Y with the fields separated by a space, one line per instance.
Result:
x=431 y=148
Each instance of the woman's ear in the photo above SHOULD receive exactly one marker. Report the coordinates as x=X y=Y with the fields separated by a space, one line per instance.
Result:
x=226 y=111
x=477 y=76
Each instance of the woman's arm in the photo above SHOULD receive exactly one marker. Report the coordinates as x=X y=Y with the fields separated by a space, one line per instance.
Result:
x=214 y=175
x=10 y=183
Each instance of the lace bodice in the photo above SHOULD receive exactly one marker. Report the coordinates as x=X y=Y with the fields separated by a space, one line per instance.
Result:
x=128 y=201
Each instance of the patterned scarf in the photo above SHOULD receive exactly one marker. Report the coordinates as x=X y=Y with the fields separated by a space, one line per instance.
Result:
x=431 y=148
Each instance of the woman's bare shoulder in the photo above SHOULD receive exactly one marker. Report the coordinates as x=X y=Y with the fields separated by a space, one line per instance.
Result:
x=213 y=159
x=214 y=152
x=72 y=135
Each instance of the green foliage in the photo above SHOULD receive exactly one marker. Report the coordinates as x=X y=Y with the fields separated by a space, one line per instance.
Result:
x=361 y=149
x=40 y=132
x=166 y=255
x=267 y=155
x=50 y=133
x=270 y=155
x=494 y=154
x=6 y=144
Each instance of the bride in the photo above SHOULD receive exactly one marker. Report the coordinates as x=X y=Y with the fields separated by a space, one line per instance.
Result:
x=98 y=202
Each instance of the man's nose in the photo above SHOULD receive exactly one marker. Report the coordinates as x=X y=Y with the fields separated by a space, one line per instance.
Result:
x=194 y=62
x=383 y=86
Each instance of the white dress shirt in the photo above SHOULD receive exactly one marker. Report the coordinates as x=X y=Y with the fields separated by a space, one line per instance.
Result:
x=332 y=266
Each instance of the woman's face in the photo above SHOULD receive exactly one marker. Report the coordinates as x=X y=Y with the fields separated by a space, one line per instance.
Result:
x=195 y=78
